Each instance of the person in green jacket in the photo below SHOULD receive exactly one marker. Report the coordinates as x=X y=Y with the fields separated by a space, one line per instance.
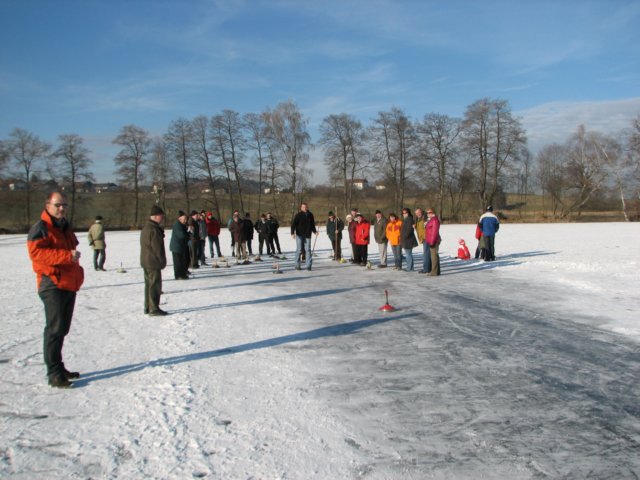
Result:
x=152 y=260
x=97 y=242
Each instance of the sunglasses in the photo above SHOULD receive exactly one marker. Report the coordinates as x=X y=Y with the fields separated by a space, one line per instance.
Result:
x=60 y=205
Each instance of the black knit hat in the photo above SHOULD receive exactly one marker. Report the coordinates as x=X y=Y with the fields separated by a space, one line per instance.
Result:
x=181 y=214
x=156 y=210
x=330 y=213
x=98 y=217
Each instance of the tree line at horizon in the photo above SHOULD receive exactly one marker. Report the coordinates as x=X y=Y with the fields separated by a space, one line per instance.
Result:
x=481 y=155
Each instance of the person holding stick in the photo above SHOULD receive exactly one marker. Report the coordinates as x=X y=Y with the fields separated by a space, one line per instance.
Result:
x=334 y=232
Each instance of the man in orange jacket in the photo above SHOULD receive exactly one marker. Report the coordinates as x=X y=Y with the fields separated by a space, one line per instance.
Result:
x=56 y=262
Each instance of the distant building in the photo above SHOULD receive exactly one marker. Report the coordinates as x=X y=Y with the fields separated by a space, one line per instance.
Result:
x=104 y=187
x=360 y=183
x=18 y=185
x=380 y=186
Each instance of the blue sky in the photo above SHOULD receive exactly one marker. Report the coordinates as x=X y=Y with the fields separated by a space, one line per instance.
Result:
x=90 y=67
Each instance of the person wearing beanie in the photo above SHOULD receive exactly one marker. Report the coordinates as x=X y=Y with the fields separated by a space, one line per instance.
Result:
x=152 y=260
x=489 y=226
x=97 y=242
x=179 y=247
x=156 y=210
x=194 y=239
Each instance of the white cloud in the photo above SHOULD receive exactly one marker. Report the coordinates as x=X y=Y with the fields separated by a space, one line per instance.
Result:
x=554 y=122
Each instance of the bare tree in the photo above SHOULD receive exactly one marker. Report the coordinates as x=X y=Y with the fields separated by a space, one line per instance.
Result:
x=274 y=177
x=26 y=150
x=343 y=139
x=633 y=152
x=72 y=164
x=287 y=130
x=495 y=139
x=160 y=170
x=257 y=140
x=393 y=142
x=131 y=159
x=230 y=145
x=589 y=156
x=4 y=157
x=550 y=173
x=178 y=140
x=439 y=150
x=204 y=156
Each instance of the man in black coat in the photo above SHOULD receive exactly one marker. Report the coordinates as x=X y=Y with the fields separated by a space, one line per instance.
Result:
x=152 y=260
x=248 y=231
x=334 y=232
x=302 y=226
x=179 y=247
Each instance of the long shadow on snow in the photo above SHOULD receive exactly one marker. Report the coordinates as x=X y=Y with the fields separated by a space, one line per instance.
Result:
x=273 y=280
x=330 y=331
x=454 y=266
x=280 y=298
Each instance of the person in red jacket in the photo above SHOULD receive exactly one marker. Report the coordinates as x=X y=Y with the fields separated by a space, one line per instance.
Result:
x=432 y=237
x=52 y=249
x=463 y=251
x=362 y=231
x=213 y=232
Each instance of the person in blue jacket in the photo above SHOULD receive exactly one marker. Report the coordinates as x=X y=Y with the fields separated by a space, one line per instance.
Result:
x=489 y=225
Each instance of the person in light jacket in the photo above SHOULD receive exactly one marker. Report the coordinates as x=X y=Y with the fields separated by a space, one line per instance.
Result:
x=97 y=242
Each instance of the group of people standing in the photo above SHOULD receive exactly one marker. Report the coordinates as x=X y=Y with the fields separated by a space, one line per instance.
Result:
x=52 y=248
x=242 y=234
x=402 y=234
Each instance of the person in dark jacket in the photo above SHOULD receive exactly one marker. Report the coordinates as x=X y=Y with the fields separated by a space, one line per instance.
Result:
x=194 y=239
x=237 y=231
x=52 y=247
x=380 y=236
x=274 y=232
x=179 y=247
x=334 y=232
x=489 y=226
x=248 y=232
x=408 y=237
x=152 y=260
x=263 y=227
x=202 y=234
x=302 y=226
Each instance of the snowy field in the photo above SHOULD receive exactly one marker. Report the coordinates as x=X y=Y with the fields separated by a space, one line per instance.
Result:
x=524 y=368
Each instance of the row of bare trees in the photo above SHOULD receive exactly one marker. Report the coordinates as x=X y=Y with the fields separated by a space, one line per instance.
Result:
x=481 y=154
x=449 y=156
x=225 y=148
x=67 y=163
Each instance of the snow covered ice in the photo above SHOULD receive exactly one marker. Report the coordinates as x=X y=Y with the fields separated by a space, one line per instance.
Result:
x=523 y=368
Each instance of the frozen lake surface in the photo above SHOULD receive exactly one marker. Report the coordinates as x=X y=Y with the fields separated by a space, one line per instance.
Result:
x=523 y=368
